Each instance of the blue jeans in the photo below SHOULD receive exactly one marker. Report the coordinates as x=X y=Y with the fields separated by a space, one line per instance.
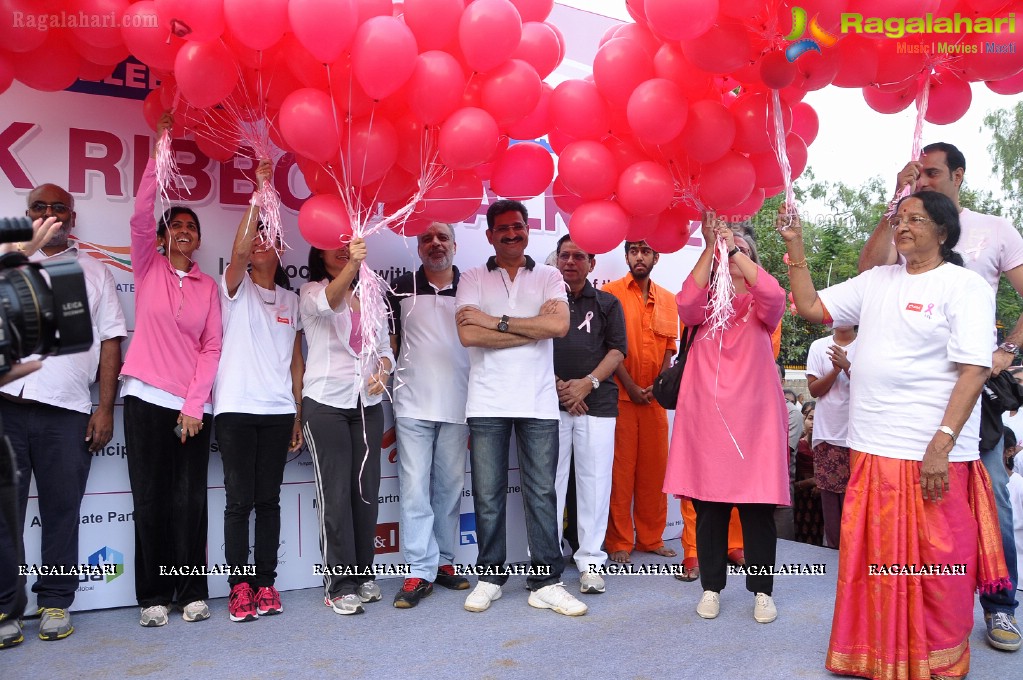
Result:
x=431 y=476
x=1002 y=600
x=537 y=444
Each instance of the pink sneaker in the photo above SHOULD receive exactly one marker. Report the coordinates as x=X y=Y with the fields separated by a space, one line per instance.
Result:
x=241 y=605
x=268 y=601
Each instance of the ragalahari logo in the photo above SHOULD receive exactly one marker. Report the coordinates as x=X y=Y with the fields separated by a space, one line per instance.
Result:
x=118 y=257
x=108 y=556
x=800 y=45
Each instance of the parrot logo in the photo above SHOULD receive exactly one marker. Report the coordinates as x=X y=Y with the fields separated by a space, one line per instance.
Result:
x=799 y=43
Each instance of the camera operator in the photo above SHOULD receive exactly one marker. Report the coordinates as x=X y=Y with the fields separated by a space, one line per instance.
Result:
x=53 y=431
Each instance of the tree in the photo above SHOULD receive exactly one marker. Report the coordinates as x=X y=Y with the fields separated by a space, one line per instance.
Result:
x=1006 y=148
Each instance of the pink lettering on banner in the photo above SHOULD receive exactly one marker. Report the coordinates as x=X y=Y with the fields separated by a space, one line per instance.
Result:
x=9 y=164
x=83 y=142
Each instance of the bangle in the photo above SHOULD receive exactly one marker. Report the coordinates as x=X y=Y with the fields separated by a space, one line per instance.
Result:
x=256 y=201
x=789 y=263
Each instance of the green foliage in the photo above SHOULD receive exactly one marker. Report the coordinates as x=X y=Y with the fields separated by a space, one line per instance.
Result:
x=1006 y=148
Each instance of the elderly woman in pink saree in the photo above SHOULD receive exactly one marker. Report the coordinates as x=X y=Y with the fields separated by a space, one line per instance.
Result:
x=919 y=534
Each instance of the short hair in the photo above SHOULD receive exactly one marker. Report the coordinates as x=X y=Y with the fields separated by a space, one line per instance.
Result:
x=501 y=207
x=171 y=213
x=566 y=238
x=787 y=392
x=954 y=158
x=810 y=405
x=317 y=268
x=942 y=210
x=1009 y=437
x=629 y=244
x=451 y=230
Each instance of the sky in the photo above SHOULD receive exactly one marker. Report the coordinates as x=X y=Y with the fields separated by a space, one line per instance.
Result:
x=855 y=143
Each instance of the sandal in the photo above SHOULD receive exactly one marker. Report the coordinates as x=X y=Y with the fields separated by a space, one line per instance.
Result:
x=737 y=557
x=690 y=570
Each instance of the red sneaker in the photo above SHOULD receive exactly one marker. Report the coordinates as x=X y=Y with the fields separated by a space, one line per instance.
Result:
x=241 y=605
x=268 y=601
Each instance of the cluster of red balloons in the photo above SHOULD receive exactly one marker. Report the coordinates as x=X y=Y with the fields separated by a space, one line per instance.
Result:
x=377 y=99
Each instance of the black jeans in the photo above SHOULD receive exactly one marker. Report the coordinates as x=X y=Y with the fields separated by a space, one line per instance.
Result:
x=49 y=442
x=168 y=487
x=254 y=449
x=759 y=537
x=345 y=447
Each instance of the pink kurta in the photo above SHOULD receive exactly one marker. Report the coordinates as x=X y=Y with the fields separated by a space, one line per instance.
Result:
x=735 y=371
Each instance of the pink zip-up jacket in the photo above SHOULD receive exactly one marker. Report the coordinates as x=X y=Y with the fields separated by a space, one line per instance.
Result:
x=176 y=346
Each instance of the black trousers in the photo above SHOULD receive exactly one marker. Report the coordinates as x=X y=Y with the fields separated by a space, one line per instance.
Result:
x=168 y=487
x=254 y=449
x=759 y=537
x=345 y=447
x=48 y=442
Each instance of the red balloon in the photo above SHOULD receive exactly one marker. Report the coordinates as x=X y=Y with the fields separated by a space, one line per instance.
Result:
x=673 y=230
x=709 y=132
x=6 y=72
x=797 y=153
x=1010 y=85
x=727 y=181
x=149 y=42
x=642 y=35
x=766 y=164
x=625 y=152
x=588 y=170
x=565 y=199
x=318 y=178
x=377 y=8
x=671 y=64
x=412 y=227
x=16 y=35
x=740 y=9
x=467 y=138
x=746 y=209
x=324 y=27
x=436 y=86
x=533 y=10
x=948 y=100
x=598 y=226
x=537 y=123
x=106 y=56
x=257 y=24
x=488 y=33
x=657 y=111
x=152 y=108
x=722 y=49
x=433 y=22
x=396 y=184
x=95 y=72
x=754 y=121
x=996 y=55
x=308 y=126
x=884 y=101
x=324 y=222
x=106 y=34
x=857 y=61
x=817 y=69
x=369 y=148
x=645 y=188
x=805 y=122
x=205 y=72
x=215 y=149
x=618 y=67
x=51 y=67
x=680 y=19
x=539 y=47
x=641 y=227
x=383 y=56
x=635 y=10
x=894 y=66
x=578 y=110
x=525 y=171
x=511 y=91
x=559 y=140
x=776 y=71
x=454 y=198
x=198 y=20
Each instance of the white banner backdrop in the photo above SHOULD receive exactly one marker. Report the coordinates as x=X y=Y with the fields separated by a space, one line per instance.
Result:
x=96 y=146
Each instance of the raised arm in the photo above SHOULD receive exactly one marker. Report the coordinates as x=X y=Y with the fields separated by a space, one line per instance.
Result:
x=808 y=304
x=879 y=249
x=245 y=237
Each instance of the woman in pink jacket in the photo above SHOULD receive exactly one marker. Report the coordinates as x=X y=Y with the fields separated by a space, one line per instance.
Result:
x=167 y=380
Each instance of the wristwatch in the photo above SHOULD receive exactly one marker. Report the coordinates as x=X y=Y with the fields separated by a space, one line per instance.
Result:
x=1010 y=347
x=502 y=325
x=950 y=432
x=596 y=383
x=733 y=251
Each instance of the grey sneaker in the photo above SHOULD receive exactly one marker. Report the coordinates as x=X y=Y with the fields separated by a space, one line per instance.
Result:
x=10 y=632
x=369 y=591
x=591 y=583
x=764 y=610
x=345 y=604
x=557 y=598
x=154 y=616
x=195 y=611
x=55 y=623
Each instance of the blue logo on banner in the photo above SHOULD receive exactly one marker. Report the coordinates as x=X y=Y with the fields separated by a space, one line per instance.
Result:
x=467 y=528
x=131 y=79
x=108 y=556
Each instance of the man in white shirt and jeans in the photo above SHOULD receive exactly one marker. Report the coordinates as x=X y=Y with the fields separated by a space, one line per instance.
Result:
x=509 y=311
x=49 y=420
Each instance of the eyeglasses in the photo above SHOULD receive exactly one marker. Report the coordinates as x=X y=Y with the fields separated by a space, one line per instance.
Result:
x=745 y=251
x=57 y=208
x=915 y=221
x=575 y=257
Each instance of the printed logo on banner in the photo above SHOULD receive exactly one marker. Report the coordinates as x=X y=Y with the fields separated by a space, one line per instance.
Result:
x=467 y=528
x=387 y=538
x=389 y=440
x=800 y=45
x=105 y=556
x=118 y=257
x=131 y=79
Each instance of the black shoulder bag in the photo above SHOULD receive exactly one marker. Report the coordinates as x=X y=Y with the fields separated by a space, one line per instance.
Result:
x=667 y=383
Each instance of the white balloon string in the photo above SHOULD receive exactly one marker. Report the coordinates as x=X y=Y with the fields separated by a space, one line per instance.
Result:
x=717 y=405
x=722 y=292
x=781 y=151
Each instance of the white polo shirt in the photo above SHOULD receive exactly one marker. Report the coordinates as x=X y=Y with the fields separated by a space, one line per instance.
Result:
x=64 y=380
x=334 y=373
x=515 y=382
x=831 y=416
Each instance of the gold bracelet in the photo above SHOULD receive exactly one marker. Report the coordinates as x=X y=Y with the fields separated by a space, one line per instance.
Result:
x=801 y=264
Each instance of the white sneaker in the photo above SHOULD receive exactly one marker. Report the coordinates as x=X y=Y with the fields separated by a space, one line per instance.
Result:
x=369 y=591
x=345 y=604
x=481 y=596
x=154 y=616
x=591 y=583
x=557 y=598
x=710 y=605
x=764 y=610
x=195 y=611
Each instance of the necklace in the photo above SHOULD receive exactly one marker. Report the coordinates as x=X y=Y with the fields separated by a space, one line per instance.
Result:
x=272 y=301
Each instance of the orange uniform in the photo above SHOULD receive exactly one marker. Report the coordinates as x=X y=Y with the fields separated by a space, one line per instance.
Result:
x=639 y=508
x=689 y=530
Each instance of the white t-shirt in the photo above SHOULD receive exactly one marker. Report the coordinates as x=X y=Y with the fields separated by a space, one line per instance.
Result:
x=831 y=415
x=515 y=382
x=64 y=380
x=914 y=329
x=989 y=244
x=335 y=375
x=254 y=375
